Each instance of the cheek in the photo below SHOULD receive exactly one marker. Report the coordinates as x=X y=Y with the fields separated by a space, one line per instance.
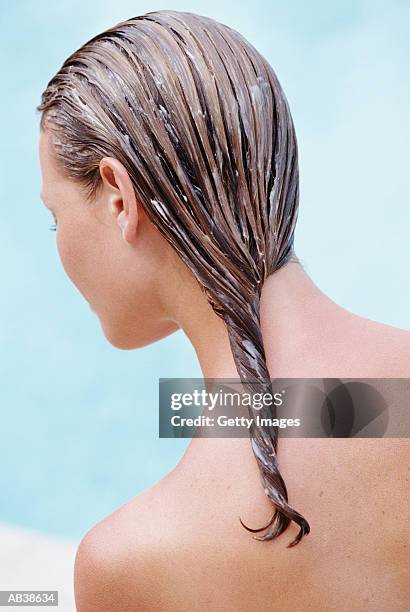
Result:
x=76 y=258
x=89 y=261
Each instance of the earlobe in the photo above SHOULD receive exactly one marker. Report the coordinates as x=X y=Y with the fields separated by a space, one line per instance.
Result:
x=122 y=222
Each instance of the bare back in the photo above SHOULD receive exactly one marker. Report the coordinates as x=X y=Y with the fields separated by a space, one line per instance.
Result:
x=353 y=492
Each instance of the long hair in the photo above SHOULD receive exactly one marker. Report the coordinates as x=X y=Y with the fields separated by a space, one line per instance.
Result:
x=199 y=120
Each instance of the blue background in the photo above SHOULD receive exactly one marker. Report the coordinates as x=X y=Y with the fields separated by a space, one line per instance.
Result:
x=78 y=417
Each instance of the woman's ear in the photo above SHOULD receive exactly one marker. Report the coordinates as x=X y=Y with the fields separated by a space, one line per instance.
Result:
x=121 y=196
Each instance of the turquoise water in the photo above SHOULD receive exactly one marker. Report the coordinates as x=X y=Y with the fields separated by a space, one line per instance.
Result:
x=78 y=417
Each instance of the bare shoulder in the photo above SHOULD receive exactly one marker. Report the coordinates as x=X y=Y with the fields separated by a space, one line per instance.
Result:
x=386 y=347
x=99 y=571
x=116 y=563
x=397 y=350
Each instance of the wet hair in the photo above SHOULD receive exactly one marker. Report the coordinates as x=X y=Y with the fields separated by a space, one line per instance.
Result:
x=199 y=120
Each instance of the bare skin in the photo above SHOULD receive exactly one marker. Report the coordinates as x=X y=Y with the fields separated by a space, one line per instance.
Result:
x=179 y=545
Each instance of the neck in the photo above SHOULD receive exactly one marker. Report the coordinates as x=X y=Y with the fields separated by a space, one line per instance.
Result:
x=294 y=312
x=294 y=315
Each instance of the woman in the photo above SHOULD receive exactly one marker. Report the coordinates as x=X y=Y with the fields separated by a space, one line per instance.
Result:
x=169 y=160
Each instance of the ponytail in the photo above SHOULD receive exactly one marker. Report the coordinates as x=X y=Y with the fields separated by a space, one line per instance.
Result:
x=249 y=355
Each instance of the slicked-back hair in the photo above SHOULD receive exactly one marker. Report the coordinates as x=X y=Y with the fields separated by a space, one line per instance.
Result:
x=199 y=120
